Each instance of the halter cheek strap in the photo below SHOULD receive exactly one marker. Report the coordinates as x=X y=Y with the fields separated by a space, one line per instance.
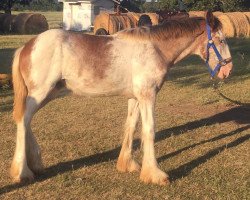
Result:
x=210 y=44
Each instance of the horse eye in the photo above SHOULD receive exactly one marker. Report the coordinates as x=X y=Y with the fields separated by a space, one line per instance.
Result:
x=222 y=41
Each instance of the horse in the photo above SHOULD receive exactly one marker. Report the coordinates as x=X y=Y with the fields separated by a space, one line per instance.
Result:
x=133 y=63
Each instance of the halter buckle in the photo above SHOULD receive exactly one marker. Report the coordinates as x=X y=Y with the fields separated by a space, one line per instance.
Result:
x=223 y=62
x=210 y=41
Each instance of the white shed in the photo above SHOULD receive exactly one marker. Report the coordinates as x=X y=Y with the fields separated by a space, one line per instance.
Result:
x=79 y=15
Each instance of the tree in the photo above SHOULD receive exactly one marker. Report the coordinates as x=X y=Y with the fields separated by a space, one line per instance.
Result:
x=6 y=5
x=214 y=5
x=218 y=5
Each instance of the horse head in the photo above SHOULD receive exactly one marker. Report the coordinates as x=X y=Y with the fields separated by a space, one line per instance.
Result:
x=216 y=52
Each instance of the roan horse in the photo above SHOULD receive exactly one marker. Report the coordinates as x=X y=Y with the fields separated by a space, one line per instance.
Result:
x=133 y=63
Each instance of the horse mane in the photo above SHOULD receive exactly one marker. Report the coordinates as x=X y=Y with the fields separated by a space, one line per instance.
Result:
x=171 y=29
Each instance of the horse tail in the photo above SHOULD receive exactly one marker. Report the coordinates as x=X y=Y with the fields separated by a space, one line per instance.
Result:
x=20 y=89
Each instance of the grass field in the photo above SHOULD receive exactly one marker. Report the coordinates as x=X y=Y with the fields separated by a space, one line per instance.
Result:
x=202 y=138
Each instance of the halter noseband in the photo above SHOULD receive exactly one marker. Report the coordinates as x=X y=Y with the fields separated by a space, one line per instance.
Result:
x=222 y=61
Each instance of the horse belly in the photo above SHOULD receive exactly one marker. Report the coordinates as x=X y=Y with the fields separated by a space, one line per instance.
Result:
x=90 y=86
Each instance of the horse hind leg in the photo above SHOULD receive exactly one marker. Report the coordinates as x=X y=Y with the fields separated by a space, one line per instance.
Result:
x=19 y=169
x=125 y=161
x=27 y=158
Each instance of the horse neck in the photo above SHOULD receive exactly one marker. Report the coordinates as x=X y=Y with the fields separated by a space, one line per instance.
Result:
x=177 y=49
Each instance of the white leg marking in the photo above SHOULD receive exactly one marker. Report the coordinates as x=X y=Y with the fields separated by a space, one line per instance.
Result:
x=19 y=168
x=125 y=161
x=150 y=172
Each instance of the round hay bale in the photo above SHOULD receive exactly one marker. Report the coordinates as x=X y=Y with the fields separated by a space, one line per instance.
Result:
x=135 y=15
x=196 y=13
x=154 y=18
x=2 y=19
x=132 y=20
x=121 y=22
x=113 y=24
x=127 y=21
x=240 y=22
x=144 y=20
x=217 y=13
x=7 y=23
x=29 y=23
x=106 y=21
x=228 y=27
x=247 y=14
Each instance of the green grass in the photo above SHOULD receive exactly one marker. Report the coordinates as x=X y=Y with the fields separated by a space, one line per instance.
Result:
x=202 y=139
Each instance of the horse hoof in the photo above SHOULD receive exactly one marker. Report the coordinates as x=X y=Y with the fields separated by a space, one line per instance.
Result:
x=129 y=165
x=133 y=166
x=155 y=176
x=26 y=175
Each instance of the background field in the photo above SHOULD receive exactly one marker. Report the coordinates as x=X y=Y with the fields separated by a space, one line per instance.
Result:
x=202 y=139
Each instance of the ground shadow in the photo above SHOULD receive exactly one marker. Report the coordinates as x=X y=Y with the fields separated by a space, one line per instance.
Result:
x=239 y=114
x=186 y=169
x=219 y=137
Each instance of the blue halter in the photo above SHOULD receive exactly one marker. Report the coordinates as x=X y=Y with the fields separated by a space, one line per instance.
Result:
x=211 y=44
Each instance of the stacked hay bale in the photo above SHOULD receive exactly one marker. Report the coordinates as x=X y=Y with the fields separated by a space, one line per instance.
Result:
x=28 y=23
x=113 y=22
x=154 y=18
x=196 y=13
x=217 y=13
x=105 y=21
x=24 y=23
x=247 y=14
x=134 y=18
x=228 y=27
x=234 y=24
x=2 y=17
x=6 y=22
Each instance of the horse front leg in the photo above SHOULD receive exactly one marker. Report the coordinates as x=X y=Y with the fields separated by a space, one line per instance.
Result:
x=150 y=172
x=125 y=161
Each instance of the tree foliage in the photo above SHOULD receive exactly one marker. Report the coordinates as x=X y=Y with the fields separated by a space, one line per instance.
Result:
x=42 y=5
x=214 y=5
x=6 y=5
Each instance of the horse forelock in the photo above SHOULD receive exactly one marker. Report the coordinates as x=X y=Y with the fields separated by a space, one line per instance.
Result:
x=169 y=30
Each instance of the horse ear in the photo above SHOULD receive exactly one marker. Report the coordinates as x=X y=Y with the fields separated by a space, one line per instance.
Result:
x=210 y=19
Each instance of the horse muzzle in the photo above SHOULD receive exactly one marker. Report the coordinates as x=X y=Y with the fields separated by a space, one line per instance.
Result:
x=225 y=70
